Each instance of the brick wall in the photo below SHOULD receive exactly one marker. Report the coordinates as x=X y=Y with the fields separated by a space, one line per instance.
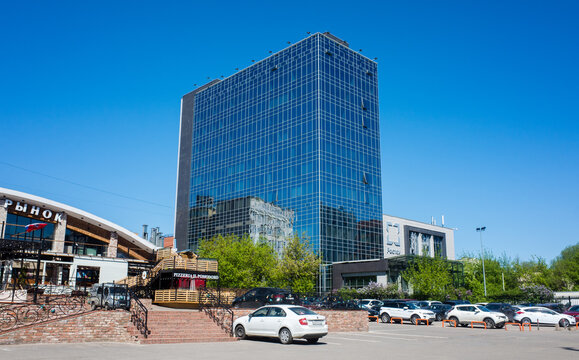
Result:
x=97 y=326
x=338 y=320
x=115 y=326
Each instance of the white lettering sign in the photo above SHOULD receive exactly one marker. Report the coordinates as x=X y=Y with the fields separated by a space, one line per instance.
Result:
x=20 y=207
x=33 y=210
x=196 y=276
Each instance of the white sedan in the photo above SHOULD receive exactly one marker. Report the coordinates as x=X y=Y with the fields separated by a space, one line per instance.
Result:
x=543 y=315
x=286 y=322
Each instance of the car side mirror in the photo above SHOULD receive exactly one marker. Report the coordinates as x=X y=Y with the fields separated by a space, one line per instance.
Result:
x=250 y=316
x=406 y=308
x=476 y=312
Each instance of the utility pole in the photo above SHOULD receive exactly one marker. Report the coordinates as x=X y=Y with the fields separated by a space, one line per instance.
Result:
x=482 y=253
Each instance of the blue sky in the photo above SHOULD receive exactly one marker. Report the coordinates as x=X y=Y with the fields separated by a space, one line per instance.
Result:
x=478 y=104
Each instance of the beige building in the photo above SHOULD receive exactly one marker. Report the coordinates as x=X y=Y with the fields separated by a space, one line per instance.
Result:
x=79 y=248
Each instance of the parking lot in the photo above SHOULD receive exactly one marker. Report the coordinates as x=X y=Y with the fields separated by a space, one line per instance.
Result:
x=383 y=340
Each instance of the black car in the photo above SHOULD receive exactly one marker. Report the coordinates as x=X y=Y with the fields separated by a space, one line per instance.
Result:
x=373 y=314
x=560 y=308
x=261 y=296
x=456 y=302
x=504 y=308
x=440 y=310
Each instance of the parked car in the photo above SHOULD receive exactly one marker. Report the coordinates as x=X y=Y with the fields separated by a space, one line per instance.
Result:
x=427 y=303
x=439 y=310
x=373 y=314
x=261 y=296
x=504 y=308
x=369 y=303
x=464 y=314
x=344 y=305
x=109 y=296
x=404 y=310
x=286 y=322
x=560 y=308
x=573 y=311
x=456 y=302
x=543 y=315
x=424 y=303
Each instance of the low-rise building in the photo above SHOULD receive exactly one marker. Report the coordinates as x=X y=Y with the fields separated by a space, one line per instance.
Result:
x=77 y=248
x=403 y=238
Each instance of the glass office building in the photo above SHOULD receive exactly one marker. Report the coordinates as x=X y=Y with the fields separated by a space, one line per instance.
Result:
x=299 y=130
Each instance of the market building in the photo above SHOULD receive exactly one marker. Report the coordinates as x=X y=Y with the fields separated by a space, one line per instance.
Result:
x=78 y=249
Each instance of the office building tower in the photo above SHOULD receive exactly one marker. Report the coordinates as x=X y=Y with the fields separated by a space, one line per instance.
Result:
x=298 y=130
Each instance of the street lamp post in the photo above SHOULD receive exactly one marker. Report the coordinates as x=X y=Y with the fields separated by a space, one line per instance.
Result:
x=480 y=230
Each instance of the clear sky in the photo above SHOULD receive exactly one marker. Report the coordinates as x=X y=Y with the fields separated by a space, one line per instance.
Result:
x=478 y=104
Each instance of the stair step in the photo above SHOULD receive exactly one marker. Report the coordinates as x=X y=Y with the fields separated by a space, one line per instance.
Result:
x=171 y=327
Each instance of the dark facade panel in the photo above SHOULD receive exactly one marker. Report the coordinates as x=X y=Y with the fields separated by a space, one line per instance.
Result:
x=339 y=269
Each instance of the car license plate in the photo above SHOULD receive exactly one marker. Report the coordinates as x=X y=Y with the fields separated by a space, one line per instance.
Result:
x=317 y=322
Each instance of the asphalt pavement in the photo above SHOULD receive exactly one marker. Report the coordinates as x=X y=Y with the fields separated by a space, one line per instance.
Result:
x=392 y=341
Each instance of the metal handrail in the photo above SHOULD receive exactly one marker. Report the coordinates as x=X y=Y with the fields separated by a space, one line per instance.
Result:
x=17 y=315
x=219 y=312
x=139 y=315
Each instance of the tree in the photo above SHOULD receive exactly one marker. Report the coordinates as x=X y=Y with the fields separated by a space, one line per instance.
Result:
x=565 y=269
x=299 y=266
x=533 y=272
x=242 y=263
x=429 y=277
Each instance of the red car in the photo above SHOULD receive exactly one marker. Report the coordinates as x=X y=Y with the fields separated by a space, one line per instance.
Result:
x=573 y=311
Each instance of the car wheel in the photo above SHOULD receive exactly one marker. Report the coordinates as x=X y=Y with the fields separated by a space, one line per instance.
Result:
x=93 y=306
x=385 y=318
x=525 y=320
x=285 y=336
x=313 y=340
x=414 y=319
x=240 y=332
x=490 y=323
x=438 y=317
x=107 y=306
x=455 y=319
x=564 y=323
x=499 y=326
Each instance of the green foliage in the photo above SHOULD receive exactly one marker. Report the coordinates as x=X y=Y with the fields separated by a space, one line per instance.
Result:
x=429 y=277
x=242 y=263
x=565 y=269
x=372 y=291
x=527 y=281
x=533 y=272
x=298 y=267
x=378 y=291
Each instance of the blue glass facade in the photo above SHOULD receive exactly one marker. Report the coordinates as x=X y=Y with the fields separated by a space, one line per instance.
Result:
x=299 y=129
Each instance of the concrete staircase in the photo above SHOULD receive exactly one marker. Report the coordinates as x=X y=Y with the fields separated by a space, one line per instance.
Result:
x=186 y=326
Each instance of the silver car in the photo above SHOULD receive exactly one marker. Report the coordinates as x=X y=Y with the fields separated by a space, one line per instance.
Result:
x=109 y=296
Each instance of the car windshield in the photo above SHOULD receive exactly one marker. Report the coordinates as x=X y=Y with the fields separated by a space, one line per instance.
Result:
x=482 y=308
x=118 y=290
x=574 y=308
x=302 y=311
